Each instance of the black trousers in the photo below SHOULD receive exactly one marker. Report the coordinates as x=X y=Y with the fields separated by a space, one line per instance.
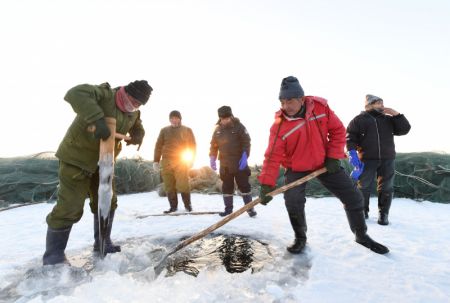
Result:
x=241 y=176
x=383 y=170
x=339 y=184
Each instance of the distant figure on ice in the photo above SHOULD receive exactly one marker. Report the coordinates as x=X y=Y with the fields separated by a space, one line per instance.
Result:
x=371 y=149
x=176 y=146
x=79 y=154
x=231 y=141
x=307 y=135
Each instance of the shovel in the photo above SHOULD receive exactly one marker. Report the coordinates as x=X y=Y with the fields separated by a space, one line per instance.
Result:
x=159 y=268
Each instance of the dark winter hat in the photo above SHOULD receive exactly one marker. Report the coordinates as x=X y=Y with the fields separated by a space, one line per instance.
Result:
x=224 y=111
x=372 y=99
x=175 y=113
x=140 y=90
x=290 y=88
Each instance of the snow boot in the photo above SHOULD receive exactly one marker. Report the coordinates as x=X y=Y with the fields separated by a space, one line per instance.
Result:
x=298 y=223
x=247 y=199
x=366 y=196
x=187 y=201
x=110 y=248
x=228 y=201
x=56 y=242
x=384 y=204
x=173 y=202
x=359 y=228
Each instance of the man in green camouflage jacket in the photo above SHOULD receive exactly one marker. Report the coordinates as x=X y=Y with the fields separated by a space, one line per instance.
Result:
x=79 y=154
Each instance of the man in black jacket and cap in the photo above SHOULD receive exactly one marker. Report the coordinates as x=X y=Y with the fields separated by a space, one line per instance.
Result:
x=231 y=143
x=371 y=148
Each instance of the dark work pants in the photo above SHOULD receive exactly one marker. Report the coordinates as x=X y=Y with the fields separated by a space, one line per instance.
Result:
x=241 y=176
x=383 y=170
x=339 y=184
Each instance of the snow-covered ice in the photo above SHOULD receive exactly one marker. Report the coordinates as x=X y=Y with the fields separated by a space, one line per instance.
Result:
x=333 y=269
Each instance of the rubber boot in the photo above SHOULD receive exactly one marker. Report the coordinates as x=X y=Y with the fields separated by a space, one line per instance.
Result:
x=298 y=223
x=247 y=199
x=384 y=204
x=55 y=244
x=187 y=201
x=173 y=202
x=228 y=201
x=359 y=228
x=110 y=248
x=366 y=196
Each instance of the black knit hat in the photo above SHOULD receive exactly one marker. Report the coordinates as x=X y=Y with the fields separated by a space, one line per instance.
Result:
x=290 y=88
x=224 y=111
x=140 y=90
x=372 y=99
x=175 y=113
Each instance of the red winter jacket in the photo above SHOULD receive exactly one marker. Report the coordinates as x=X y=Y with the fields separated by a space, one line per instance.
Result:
x=302 y=144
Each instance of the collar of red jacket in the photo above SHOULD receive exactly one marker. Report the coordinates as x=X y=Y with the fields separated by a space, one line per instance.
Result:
x=309 y=102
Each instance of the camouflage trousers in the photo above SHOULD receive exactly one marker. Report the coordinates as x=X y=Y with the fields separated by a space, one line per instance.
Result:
x=75 y=185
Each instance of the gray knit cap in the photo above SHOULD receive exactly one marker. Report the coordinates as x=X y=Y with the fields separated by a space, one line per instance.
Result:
x=372 y=99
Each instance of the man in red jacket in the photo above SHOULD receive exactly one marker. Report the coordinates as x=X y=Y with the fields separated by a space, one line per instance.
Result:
x=306 y=136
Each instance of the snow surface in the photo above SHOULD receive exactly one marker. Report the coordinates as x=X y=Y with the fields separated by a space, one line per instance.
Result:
x=333 y=269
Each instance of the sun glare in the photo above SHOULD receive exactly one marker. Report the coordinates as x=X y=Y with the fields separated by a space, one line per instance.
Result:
x=188 y=156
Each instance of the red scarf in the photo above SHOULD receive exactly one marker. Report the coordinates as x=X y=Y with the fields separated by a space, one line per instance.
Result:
x=123 y=102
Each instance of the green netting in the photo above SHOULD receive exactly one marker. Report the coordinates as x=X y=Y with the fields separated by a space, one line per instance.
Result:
x=419 y=176
x=28 y=179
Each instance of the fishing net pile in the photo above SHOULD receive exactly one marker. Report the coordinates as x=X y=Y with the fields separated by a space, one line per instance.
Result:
x=33 y=179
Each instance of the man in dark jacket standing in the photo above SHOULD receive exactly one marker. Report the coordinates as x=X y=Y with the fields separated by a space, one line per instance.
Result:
x=79 y=155
x=231 y=142
x=307 y=135
x=176 y=146
x=371 y=148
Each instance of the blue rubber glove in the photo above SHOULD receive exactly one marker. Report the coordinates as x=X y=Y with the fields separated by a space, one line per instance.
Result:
x=243 y=161
x=353 y=158
x=357 y=171
x=212 y=162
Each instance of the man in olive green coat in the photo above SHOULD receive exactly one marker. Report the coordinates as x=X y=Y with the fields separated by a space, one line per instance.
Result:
x=176 y=145
x=79 y=154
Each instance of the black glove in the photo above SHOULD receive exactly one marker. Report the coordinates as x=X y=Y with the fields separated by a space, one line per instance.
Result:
x=332 y=165
x=101 y=129
x=137 y=136
x=263 y=191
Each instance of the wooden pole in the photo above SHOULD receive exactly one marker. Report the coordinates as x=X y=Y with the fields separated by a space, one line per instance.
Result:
x=161 y=265
x=192 y=213
x=106 y=174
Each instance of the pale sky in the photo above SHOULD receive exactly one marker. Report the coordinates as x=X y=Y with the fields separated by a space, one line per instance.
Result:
x=200 y=55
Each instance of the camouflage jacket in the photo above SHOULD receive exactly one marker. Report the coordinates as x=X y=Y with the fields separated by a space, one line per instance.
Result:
x=92 y=102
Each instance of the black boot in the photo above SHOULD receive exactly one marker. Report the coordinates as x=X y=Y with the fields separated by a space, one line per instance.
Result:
x=55 y=245
x=366 y=196
x=384 y=204
x=173 y=201
x=187 y=201
x=298 y=222
x=110 y=248
x=228 y=201
x=247 y=199
x=359 y=228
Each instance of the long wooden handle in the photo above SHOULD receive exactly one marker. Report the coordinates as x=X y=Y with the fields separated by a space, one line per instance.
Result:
x=106 y=174
x=245 y=208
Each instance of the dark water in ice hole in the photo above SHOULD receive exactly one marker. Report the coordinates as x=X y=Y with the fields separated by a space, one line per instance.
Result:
x=234 y=252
